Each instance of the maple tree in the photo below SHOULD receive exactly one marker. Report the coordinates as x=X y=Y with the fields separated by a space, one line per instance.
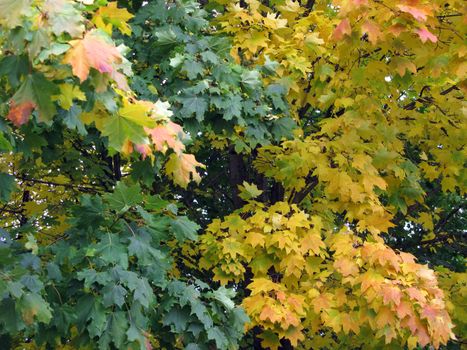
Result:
x=232 y=174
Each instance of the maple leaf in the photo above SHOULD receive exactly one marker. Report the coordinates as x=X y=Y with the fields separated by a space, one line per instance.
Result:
x=269 y=313
x=419 y=13
x=91 y=52
x=108 y=16
x=249 y=191
x=295 y=335
x=384 y=317
x=312 y=241
x=11 y=11
x=63 y=17
x=68 y=93
x=322 y=302
x=349 y=323
x=416 y=294
x=404 y=66
x=143 y=149
x=346 y=267
x=269 y=340
x=255 y=238
x=359 y=3
x=20 y=113
x=163 y=137
x=425 y=35
x=371 y=279
x=342 y=29
x=182 y=167
x=404 y=309
x=374 y=33
x=34 y=93
x=261 y=285
x=391 y=294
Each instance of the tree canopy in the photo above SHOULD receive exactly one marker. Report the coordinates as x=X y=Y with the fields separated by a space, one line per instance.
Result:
x=276 y=174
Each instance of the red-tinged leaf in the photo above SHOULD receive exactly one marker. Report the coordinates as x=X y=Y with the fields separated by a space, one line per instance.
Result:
x=397 y=29
x=373 y=31
x=406 y=66
x=322 y=302
x=20 y=113
x=342 y=30
x=425 y=35
x=346 y=267
x=291 y=319
x=296 y=303
x=350 y=323
x=312 y=242
x=144 y=150
x=280 y=295
x=182 y=168
x=127 y=147
x=423 y=336
x=268 y=313
x=384 y=317
x=426 y=274
x=404 y=309
x=164 y=136
x=92 y=52
x=359 y=3
x=407 y=257
x=391 y=294
x=416 y=294
x=430 y=313
x=371 y=279
x=419 y=13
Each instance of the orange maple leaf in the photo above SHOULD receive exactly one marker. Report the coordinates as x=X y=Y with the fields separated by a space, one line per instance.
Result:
x=416 y=294
x=164 y=136
x=404 y=309
x=20 y=113
x=346 y=267
x=342 y=29
x=391 y=294
x=373 y=31
x=91 y=52
x=269 y=313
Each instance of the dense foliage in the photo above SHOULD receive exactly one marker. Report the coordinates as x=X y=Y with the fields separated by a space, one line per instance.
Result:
x=187 y=174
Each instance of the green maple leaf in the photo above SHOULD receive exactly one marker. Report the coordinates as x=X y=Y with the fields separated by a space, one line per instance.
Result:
x=124 y=197
x=7 y=186
x=33 y=306
x=141 y=246
x=192 y=69
x=224 y=296
x=36 y=88
x=178 y=318
x=119 y=326
x=194 y=105
x=218 y=336
x=114 y=295
x=143 y=292
x=183 y=228
x=120 y=129
x=110 y=250
x=201 y=312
